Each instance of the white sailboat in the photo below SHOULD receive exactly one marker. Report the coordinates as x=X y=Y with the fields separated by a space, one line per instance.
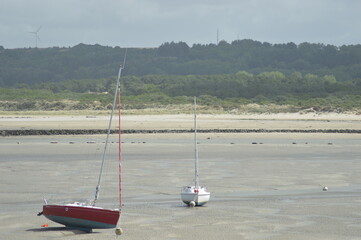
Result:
x=195 y=195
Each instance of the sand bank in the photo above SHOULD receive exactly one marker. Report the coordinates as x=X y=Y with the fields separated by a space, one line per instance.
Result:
x=183 y=121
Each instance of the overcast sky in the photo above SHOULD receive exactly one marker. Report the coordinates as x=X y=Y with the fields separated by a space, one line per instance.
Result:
x=149 y=23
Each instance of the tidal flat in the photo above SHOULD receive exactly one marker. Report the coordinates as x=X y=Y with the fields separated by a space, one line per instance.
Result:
x=263 y=186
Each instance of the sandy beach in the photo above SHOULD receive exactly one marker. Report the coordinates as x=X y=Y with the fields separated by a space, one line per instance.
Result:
x=263 y=185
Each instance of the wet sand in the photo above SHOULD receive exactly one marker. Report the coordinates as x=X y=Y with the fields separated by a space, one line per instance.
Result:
x=263 y=186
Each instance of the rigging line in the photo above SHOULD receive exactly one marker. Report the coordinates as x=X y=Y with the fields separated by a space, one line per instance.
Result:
x=120 y=150
x=120 y=140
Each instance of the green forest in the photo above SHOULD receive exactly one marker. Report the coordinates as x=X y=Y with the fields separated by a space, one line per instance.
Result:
x=225 y=76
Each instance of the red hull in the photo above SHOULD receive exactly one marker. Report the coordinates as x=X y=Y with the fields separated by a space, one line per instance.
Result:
x=82 y=216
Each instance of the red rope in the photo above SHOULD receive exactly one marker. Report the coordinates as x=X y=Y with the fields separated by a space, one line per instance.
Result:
x=120 y=151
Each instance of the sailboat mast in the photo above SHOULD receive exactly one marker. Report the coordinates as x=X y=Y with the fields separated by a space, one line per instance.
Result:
x=116 y=95
x=107 y=139
x=196 y=177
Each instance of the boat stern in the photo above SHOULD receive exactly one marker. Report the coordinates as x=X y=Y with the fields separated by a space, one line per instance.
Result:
x=198 y=195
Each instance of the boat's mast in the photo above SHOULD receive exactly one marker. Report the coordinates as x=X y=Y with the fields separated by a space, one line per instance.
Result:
x=107 y=139
x=196 y=177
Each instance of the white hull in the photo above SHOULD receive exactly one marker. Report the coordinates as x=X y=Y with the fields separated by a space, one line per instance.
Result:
x=193 y=194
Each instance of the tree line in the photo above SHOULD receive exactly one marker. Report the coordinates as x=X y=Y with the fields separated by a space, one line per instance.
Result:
x=28 y=66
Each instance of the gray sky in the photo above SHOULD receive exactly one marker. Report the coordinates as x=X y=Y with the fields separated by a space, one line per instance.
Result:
x=149 y=23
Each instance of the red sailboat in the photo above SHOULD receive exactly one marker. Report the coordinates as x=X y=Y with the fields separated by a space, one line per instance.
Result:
x=87 y=216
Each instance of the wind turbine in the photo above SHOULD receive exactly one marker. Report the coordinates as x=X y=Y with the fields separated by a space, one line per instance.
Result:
x=36 y=36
